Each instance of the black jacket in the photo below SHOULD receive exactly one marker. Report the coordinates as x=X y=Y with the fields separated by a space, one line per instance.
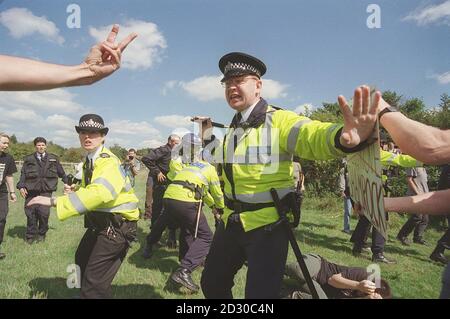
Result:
x=158 y=160
x=41 y=176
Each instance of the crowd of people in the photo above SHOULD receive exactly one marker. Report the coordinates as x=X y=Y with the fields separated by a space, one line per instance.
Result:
x=236 y=178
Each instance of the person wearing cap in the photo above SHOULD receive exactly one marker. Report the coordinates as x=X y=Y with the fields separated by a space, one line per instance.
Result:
x=109 y=206
x=257 y=154
x=39 y=177
x=196 y=183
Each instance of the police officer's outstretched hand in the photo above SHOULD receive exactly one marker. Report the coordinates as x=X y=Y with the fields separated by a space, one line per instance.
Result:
x=359 y=122
x=105 y=58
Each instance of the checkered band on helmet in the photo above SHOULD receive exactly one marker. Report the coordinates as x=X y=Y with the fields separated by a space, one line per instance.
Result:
x=242 y=67
x=91 y=124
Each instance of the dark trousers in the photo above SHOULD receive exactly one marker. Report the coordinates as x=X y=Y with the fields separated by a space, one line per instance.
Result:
x=3 y=213
x=99 y=257
x=444 y=242
x=361 y=233
x=416 y=222
x=157 y=205
x=265 y=250
x=149 y=197
x=192 y=251
x=158 y=228
x=37 y=217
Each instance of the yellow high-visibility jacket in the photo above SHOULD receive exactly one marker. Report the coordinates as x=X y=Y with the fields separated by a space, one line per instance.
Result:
x=175 y=165
x=204 y=175
x=262 y=157
x=110 y=191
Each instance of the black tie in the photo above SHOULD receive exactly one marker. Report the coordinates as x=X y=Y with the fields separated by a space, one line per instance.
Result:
x=87 y=171
x=238 y=118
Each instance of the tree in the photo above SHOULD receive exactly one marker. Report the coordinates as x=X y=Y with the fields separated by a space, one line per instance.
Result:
x=13 y=139
x=119 y=151
x=392 y=98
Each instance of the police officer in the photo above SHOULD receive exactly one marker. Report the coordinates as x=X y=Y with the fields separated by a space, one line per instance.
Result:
x=175 y=166
x=257 y=156
x=157 y=161
x=39 y=177
x=194 y=184
x=110 y=209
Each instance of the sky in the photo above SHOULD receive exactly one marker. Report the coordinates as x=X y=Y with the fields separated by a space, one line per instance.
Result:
x=314 y=51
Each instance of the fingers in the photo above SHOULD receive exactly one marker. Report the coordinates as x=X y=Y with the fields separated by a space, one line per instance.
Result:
x=113 y=34
x=365 y=99
x=357 y=102
x=123 y=45
x=346 y=112
x=375 y=103
x=115 y=54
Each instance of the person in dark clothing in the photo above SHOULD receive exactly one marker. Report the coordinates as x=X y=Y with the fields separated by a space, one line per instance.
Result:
x=157 y=161
x=39 y=177
x=444 y=242
x=7 y=169
x=336 y=281
x=417 y=184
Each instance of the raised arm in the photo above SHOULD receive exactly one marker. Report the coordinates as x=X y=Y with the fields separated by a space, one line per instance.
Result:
x=19 y=74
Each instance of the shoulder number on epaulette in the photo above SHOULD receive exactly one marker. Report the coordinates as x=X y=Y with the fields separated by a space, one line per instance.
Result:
x=105 y=155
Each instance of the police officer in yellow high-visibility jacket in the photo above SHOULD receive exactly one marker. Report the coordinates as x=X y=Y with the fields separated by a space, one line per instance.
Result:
x=257 y=152
x=163 y=221
x=194 y=184
x=110 y=208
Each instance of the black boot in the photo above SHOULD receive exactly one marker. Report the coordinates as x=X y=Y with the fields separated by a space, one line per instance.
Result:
x=2 y=255
x=148 y=251
x=183 y=277
x=438 y=255
x=380 y=258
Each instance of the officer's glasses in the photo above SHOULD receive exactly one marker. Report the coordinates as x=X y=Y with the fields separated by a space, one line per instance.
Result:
x=237 y=81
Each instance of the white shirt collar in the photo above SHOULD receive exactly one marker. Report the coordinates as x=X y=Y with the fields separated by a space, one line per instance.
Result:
x=246 y=113
x=94 y=154
x=40 y=155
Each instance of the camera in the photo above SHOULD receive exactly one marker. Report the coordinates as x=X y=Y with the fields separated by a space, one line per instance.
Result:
x=130 y=157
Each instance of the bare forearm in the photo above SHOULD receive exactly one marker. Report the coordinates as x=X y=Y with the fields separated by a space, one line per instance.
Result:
x=10 y=183
x=23 y=74
x=337 y=281
x=425 y=143
x=433 y=203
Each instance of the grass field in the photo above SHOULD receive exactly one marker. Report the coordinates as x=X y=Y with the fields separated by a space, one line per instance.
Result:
x=40 y=270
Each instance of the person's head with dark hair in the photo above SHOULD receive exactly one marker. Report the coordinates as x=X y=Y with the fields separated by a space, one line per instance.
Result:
x=39 y=140
x=40 y=144
x=131 y=150
x=385 y=290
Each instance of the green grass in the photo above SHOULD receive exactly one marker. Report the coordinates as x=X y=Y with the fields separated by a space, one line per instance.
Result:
x=39 y=270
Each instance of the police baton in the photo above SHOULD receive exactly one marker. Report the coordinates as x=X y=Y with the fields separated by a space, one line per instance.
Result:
x=214 y=124
x=198 y=217
x=294 y=244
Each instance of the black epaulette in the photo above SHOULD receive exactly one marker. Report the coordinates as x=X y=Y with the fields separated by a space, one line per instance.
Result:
x=104 y=155
x=277 y=107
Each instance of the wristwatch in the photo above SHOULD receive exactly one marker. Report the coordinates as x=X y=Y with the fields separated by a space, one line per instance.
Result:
x=387 y=110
